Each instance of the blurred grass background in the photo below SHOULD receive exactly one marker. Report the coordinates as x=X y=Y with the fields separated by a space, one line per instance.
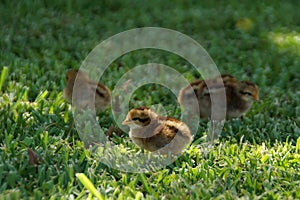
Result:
x=257 y=157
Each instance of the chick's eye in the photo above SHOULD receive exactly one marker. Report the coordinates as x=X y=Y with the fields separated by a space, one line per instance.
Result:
x=140 y=119
x=135 y=119
x=195 y=92
x=245 y=93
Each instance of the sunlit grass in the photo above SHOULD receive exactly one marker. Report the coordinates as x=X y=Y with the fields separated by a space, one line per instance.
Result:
x=257 y=157
x=286 y=41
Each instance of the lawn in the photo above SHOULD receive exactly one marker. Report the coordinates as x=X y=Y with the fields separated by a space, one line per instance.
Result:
x=257 y=157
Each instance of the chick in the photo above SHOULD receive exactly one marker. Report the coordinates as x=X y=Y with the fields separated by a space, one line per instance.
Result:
x=240 y=96
x=87 y=94
x=152 y=132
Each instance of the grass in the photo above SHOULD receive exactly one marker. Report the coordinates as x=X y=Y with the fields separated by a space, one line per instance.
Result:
x=255 y=158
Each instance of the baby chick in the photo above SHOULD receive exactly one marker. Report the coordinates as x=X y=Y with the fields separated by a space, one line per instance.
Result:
x=239 y=95
x=86 y=90
x=152 y=132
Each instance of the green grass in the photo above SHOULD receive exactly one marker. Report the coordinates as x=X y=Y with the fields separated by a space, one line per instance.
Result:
x=258 y=157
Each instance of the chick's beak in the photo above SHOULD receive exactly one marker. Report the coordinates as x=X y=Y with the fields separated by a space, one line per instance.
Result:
x=126 y=122
x=256 y=97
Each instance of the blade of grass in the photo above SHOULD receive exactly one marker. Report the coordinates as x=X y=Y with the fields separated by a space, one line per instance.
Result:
x=145 y=183
x=41 y=96
x=3 y=76
x=89 y=185
x=298 y=145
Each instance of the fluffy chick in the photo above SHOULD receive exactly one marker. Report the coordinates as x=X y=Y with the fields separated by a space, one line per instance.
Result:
x=87 y=94
x=240 y=96
x=152 y=132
